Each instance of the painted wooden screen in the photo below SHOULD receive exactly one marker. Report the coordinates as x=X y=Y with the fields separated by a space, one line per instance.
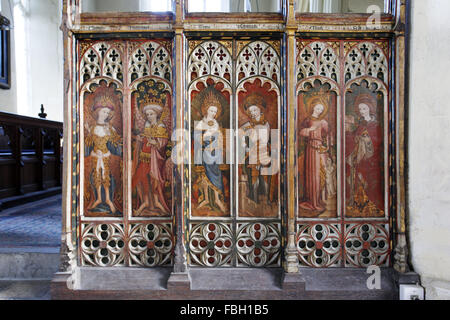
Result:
x=125 y=123
x=342 y=153
x=234 y=114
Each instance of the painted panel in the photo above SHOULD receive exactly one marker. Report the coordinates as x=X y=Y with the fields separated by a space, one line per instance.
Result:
x=103 y=144
x=317 y=151
x=210 y=175
x=364 y=152
x=151 y=149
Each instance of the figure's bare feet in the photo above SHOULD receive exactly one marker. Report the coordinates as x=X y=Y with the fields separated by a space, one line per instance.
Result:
x=221 y=205
x=96 y=203
x=202 y=204
x=141 y=208
x=111 y=206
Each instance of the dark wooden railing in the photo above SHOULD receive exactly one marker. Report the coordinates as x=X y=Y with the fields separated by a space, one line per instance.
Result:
x=30 y=158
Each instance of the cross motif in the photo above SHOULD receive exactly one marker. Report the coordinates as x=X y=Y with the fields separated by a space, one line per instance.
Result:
x=353 y=55
x=103 y=49
x=113 y=55
x=139 y=55
x=306 y=55
x=317 y=49
x=269 y=55
x=221 y=55
x=364 y=49
x=161 y=55
x=199 y=54
x=375 y=55
x=258 y=48
x=247 y=54
x=210 y=48
x=150 y=50
x=328 y=55
x=92 y=56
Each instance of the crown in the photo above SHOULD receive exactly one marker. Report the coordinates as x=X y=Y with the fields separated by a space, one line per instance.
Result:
x=146 y=100
x=104 y=101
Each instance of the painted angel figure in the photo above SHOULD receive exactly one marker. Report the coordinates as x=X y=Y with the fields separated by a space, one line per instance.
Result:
x=150 y=160
x=103 y=149
x=314 y=130
x=363 y=159
x=208 y=136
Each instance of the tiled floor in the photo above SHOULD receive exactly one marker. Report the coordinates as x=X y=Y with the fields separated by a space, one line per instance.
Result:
x=36 y=224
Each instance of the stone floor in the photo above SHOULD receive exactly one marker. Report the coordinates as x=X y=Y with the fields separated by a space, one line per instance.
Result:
x=30 y=237
x=36 y=224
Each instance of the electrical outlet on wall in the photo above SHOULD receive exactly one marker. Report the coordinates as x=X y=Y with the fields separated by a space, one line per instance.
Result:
x=411 y=292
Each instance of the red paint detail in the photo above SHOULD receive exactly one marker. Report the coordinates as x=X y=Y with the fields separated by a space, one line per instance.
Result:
x=211 y=236
x=211 y=227
x=249 y=243
x=150 y=244
x=203 y=243
x=319 y=245
x=257 y=251
x=219 y=244
x=257 y=235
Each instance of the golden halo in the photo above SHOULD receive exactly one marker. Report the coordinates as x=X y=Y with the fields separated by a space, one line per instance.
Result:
x=315 y=100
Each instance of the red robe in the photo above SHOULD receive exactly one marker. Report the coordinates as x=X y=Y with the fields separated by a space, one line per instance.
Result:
x=315 y=159
x=365 y=155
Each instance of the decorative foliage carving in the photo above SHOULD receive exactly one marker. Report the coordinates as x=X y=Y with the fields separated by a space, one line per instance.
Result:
x=318 y=245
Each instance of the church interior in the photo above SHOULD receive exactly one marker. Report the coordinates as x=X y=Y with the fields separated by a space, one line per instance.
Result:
x=224 y=150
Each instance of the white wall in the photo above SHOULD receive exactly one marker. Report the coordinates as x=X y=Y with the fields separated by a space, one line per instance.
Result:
x=429 y=146
x=44 y=74
x=8 y=97
x=46 y=61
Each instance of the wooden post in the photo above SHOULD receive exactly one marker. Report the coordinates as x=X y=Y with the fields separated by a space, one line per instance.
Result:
x=291 y=259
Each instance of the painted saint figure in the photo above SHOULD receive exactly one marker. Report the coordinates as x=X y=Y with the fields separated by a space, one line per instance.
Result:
x=314 y=130
x=363 y=158
x=209 y=155
x=256 y=135
x=103 y=149
x=149 y=160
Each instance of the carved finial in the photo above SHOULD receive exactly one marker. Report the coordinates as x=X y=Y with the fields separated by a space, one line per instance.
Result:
x=42 y=115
